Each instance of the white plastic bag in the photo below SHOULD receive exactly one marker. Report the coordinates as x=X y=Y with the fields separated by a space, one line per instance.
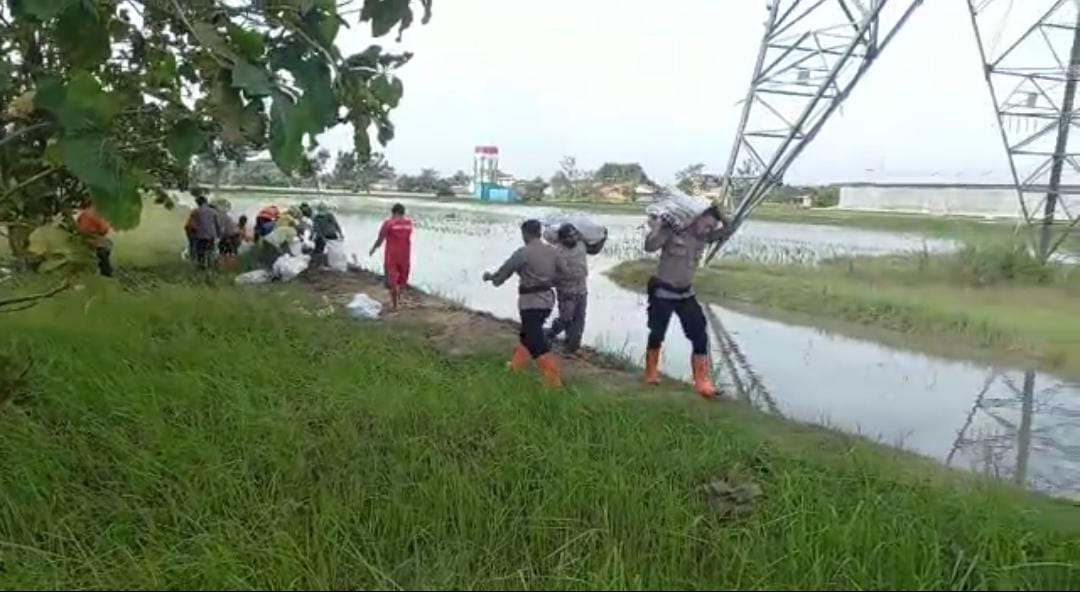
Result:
x=594 y=235
x=678 y=208
x=336 y=259
x=363 y=306
x=287 y=267
x=259 y=276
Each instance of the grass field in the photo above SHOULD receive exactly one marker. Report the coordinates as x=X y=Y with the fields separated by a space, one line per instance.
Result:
x=990 y=300
x=963 y=228
x=185 y=437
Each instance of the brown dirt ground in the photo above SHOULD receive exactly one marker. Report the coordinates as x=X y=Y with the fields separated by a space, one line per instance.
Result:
x=458 y=331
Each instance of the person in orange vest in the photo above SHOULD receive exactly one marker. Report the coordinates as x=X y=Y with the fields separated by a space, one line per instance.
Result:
x=396 y=232
x=95 y=231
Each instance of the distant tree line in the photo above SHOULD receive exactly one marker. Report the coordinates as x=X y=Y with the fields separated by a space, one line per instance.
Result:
x=611 y=182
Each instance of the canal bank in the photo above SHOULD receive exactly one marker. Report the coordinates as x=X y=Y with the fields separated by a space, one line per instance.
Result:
x=934 y=405
x=200 y=435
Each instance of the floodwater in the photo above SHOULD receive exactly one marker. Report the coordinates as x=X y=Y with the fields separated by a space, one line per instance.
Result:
x=1015 y=424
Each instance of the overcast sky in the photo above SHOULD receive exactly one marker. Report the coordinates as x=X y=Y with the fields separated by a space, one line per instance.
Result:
x=659 y=83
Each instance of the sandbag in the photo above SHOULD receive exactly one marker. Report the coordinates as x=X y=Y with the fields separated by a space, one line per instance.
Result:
x=677 y=208
x=594 y=235
x=363 y=306
x=287 y=267
x=258 y=276
x=336 y=259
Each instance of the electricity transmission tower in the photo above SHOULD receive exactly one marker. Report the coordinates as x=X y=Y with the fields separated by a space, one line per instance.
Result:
x=1031 y=55
x=815 y=52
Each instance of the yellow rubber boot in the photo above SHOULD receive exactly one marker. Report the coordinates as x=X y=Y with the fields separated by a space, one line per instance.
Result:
x=703 y=383
x=519 y=359
x=652 y=366
x=549 y=370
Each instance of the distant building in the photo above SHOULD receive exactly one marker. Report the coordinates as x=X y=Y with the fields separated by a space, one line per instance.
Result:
x=487 y=185
x=945 y=199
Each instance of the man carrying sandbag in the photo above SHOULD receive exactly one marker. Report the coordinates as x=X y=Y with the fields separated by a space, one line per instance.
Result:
x=571 y=287
x=670 y=290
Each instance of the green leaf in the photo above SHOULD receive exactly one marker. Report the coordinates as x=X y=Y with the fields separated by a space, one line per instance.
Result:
x=184 y=140
x=79 y=105
x=312 y=75
x=386 y=131
x=250 y=43
x=323 y=27
x=162 y=69
x=94 y=161
x=6 y=72
x=384 y=14
x=228 y=111
x=253 y=80
x=253 y=124
x=82 y=38
x=123 y=209
x=288 y=123
x=387 y=90
x=44 y=10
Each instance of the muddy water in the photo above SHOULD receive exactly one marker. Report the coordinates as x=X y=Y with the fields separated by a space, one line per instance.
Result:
x=1016 y=425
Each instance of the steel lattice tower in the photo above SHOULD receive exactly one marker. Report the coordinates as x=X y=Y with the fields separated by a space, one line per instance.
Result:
x=814 y=53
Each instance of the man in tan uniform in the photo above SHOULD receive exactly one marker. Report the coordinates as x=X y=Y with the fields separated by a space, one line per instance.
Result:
x=535 y=265
x=670 y=293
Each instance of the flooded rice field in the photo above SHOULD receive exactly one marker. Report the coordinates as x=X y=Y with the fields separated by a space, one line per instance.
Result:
x=1015 y=424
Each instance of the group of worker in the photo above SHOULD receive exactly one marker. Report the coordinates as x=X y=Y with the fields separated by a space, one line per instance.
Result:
x=550 y=274
x=212 y=233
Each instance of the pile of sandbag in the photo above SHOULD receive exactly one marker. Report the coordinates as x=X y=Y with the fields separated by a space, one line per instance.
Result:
x=677 y=208
x=288 y=266
x=336 y=259
x=363 y=306
x=592 y=234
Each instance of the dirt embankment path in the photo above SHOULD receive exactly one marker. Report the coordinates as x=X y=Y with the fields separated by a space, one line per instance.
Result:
x=458 y=331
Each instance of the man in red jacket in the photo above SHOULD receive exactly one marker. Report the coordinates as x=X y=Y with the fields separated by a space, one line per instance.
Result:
x=396 y=232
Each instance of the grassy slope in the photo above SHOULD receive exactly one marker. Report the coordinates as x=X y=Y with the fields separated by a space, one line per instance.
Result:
x=185 y=437
x=1014 y=319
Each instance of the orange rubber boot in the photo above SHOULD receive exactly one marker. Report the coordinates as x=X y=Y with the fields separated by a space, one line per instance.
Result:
x=703 y=383
x=519 y=359
x=652 y=366
x=549 y=370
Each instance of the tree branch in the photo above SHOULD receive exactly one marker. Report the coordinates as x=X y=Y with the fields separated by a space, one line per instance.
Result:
x=24 y=184
x=23 y=131
x=25 y=302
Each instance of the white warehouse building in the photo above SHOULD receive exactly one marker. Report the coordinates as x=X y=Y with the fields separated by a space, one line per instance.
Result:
x=984 y=200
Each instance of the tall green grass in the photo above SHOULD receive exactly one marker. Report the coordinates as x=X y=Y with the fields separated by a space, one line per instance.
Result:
x=184 y=437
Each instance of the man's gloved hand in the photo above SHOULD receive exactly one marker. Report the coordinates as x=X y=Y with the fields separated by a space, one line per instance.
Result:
x=669 y=219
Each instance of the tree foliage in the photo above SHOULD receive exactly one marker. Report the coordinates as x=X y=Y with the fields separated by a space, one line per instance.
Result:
x=569 y=182
x=614 y=172
x=428 y=181
x=531 y=190
x=690 y=178
x=360 y=175
x=111 y=99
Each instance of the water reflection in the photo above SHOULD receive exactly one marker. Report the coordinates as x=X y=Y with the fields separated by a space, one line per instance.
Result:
x=1024 y=428
x=1015 y=425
